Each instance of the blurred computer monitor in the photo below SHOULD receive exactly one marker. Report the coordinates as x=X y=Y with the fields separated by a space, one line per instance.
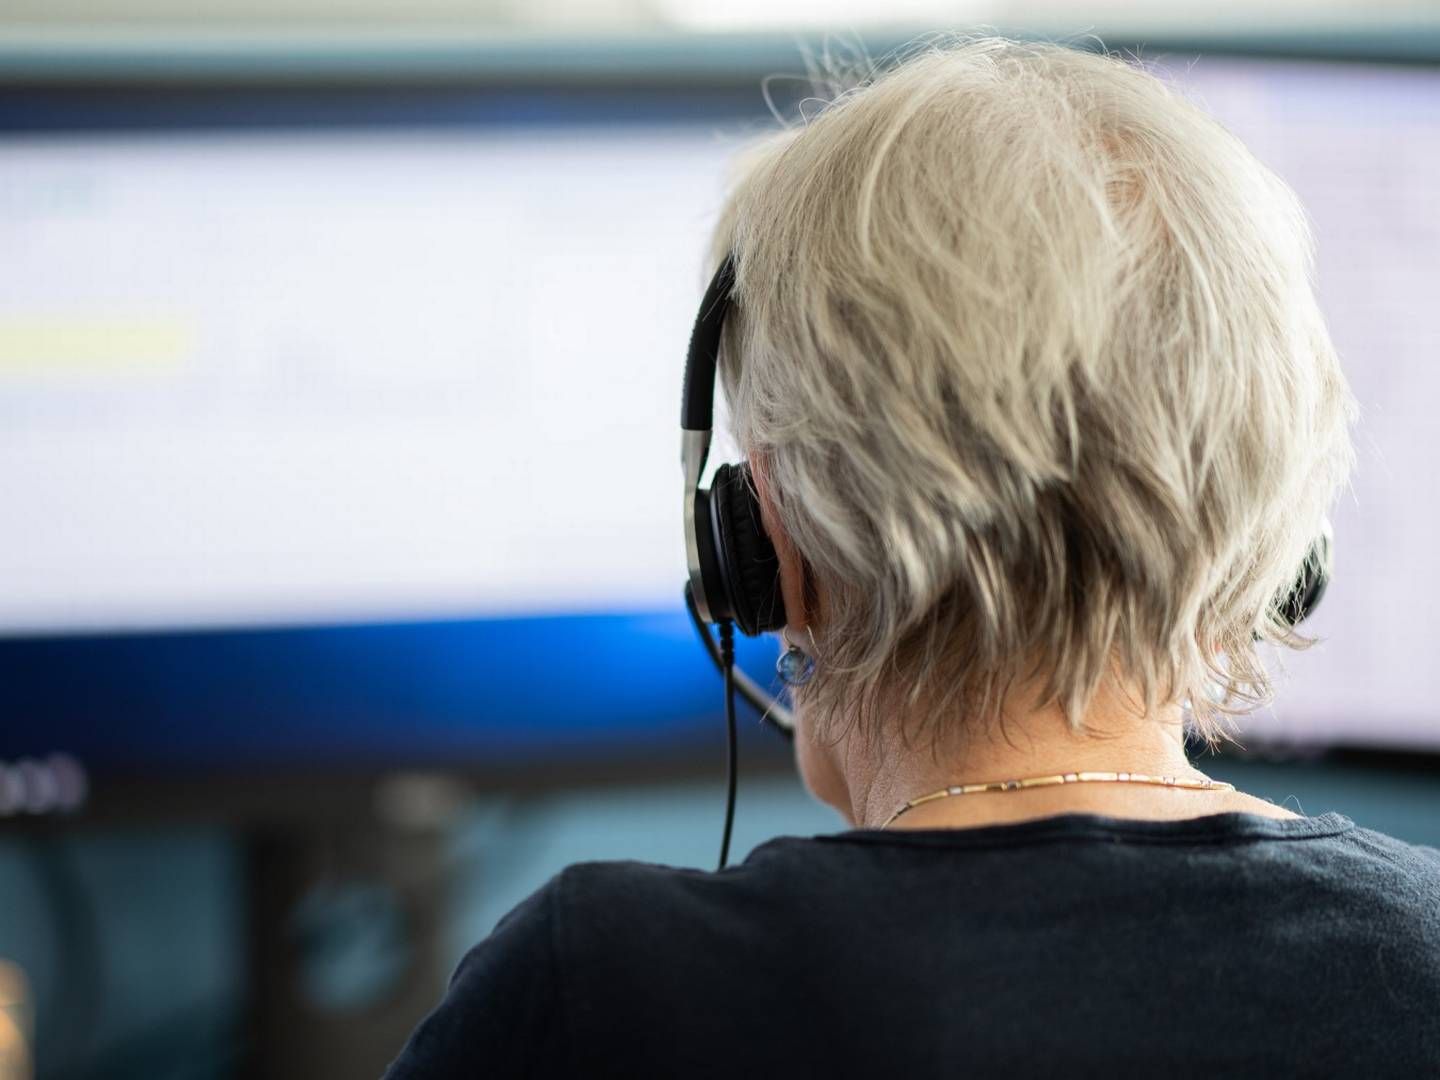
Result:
x=341 y=428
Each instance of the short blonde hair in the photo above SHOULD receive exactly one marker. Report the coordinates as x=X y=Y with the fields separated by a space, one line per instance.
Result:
x=1028 y=348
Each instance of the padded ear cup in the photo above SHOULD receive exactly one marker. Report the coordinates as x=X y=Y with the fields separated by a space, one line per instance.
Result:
x=1311 y=582
x=745 y=555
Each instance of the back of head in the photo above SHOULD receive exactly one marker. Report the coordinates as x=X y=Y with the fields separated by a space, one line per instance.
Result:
x=1028 y=348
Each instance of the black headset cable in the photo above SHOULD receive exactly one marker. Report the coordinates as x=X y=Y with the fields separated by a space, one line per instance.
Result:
x=727 y=657
x=773 y=714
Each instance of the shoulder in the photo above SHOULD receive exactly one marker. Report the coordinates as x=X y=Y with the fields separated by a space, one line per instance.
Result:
x=640 y=927
x=500 y=1014
x=1415 y=864
x=610 y=896
x=1379 y=894
x=771 y=861
x=594 y=913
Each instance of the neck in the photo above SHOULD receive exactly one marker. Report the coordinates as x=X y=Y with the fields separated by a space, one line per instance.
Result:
x=877 y=782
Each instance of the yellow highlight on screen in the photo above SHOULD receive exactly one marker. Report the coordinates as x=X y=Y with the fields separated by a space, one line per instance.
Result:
x=98 y=346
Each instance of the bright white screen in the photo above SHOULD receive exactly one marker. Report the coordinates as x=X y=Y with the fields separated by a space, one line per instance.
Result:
x=258 y=378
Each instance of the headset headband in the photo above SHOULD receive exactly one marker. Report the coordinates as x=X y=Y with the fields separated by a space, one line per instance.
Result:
x=697 y=418
x=697 y=407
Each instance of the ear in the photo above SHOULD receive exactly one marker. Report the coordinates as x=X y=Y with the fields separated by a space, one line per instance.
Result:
x=792 y=566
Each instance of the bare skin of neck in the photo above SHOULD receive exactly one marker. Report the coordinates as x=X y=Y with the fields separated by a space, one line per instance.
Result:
x=868 y=784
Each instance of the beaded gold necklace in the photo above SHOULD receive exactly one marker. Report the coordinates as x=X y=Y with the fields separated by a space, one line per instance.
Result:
x=1056 y=779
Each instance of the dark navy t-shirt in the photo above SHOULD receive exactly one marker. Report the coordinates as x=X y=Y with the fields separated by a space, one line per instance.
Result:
x=1073 y=945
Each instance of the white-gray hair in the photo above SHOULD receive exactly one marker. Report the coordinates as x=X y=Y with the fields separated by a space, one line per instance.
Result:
x=1028 y=348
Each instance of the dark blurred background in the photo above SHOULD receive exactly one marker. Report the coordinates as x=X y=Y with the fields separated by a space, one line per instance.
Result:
x=340 y=353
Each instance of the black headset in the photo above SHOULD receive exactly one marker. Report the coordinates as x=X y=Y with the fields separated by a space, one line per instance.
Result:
x=734 y=573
